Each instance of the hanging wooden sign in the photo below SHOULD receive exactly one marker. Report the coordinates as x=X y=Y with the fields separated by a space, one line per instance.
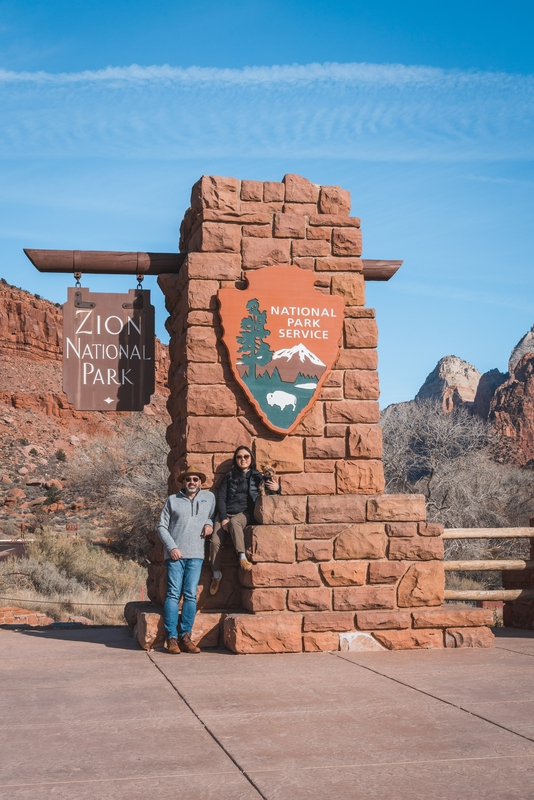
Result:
x=108 y=350
x=282 y=337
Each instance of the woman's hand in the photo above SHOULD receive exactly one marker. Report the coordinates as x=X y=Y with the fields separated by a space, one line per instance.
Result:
x=272 y=485
x=224 y=524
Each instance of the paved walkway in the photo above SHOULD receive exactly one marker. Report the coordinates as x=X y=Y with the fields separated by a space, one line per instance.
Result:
x=86 y=714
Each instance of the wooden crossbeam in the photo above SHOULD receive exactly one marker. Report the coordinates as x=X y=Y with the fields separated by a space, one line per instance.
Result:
x=488 y=533
x=109 y=262
x=488 y=564
x=489 y=594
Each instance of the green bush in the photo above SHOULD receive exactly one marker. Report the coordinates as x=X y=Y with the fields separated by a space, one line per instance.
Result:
x=60 y=455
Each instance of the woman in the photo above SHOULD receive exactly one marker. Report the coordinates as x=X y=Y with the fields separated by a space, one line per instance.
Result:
x=238 y=492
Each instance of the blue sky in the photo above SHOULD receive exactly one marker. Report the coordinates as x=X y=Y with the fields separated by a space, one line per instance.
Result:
x=109 y=112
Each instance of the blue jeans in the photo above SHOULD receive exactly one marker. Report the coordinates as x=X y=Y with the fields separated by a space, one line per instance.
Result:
x=182 y=579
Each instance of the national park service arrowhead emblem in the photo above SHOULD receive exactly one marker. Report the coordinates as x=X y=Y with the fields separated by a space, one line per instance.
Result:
x=283 y=337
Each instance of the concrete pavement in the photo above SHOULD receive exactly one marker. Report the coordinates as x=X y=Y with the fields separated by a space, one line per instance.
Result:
x=86 y=714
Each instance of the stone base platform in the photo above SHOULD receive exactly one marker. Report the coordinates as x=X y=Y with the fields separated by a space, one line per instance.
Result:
x=242 y=632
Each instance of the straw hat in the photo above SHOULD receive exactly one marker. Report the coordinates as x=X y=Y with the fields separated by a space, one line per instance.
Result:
x=192 y=471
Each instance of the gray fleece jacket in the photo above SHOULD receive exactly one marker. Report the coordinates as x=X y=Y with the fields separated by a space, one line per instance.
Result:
x=182 y=521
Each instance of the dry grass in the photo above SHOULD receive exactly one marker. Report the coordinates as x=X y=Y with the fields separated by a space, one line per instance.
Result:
x=63 y=576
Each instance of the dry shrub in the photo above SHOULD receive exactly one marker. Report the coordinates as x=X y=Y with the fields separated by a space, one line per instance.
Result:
x=126 y=474
x=62 y=576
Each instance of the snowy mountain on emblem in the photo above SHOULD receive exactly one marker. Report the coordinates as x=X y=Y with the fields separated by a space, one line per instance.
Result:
x=302 y=352
x=292 y=362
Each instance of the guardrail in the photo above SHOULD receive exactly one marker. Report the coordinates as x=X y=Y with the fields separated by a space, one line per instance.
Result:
x=499 y=565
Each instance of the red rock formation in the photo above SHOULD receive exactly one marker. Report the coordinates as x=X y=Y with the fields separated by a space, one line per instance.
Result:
x=512 y=411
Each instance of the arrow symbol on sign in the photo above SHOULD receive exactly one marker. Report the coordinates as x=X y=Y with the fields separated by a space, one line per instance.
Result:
x=108 y=400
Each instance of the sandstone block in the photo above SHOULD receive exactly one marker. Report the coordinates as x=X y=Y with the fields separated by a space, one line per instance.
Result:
x=259 y=600
x=319 y=233
x=331 y=393
x=304 y=263
x=361 y=332
x=252 y=190
x=347 y=242
x=257 y=633
x=355 y=598
x=200 y=344
x=386 y=572
x=334 y=378
x=469 y=637
x=320 y=465
x=335 y=220
x=362 y=384
x=314 y=550
x=365 y=540
x=214 y=266
x=397 y=508
x=202 y=373
x=309 y=248
x=289 y=226
x=383 y=620
x=356 y=641
x=222 y=462
x=320 y=642
x=357 y=359
x=334 y=200
x=213 y=237
x=309 y=599
x=257 y=231
x=350 y=287
x=322 y=447
x=352 y=411
x=215 y=434
x=410 y=640
x=326 y=530
x=273 y=192
x=341 y=508
x=313 y=423
x=264 y=252
x=422 y=585
x=308 y=483
x=280 y=509
x=335 y=264
x=207 y=629
x=286 y=455
x=430 y=529
x=303 y=574
x=336 y=430
x=252 y=207
x=347 y=573
x=150 y=630
x=273 y=543
x=417 y=548
x=201 y=318
x=220 y=194
x=299 y=208
x=210 y=401
x=300 y=190
x=365 y=441
x=332 y=621
x=401 y=529
x=360 y=477
x=453 y=617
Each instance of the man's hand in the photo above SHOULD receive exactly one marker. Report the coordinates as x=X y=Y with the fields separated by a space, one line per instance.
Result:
x=175 y=554
x=207 y=530
x=224 y=524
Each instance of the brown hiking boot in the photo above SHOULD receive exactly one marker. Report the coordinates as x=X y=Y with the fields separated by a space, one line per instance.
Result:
x=172 y=647
x=186 y=645
x=214 y=585
x=245 y=564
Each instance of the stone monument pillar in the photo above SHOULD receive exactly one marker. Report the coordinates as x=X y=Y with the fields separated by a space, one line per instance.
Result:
x=337 y=563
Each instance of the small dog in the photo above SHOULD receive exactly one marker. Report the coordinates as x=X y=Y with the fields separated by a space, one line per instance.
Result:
x=268 y=471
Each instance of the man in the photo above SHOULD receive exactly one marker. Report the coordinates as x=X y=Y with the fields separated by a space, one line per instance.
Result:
x=186 y=519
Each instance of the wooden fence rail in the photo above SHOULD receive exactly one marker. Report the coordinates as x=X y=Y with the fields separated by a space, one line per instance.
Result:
x=506 y=595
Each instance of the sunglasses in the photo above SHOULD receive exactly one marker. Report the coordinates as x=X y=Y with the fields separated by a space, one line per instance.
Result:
x=192 y=480
x=243 y=458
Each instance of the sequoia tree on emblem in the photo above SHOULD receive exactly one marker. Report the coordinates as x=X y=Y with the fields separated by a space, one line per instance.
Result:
x=282 y=336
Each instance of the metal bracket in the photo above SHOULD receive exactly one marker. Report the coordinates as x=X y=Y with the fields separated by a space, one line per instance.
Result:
x=79 y=303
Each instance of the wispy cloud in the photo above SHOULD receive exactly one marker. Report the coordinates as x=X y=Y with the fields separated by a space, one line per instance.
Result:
x=364 y=111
